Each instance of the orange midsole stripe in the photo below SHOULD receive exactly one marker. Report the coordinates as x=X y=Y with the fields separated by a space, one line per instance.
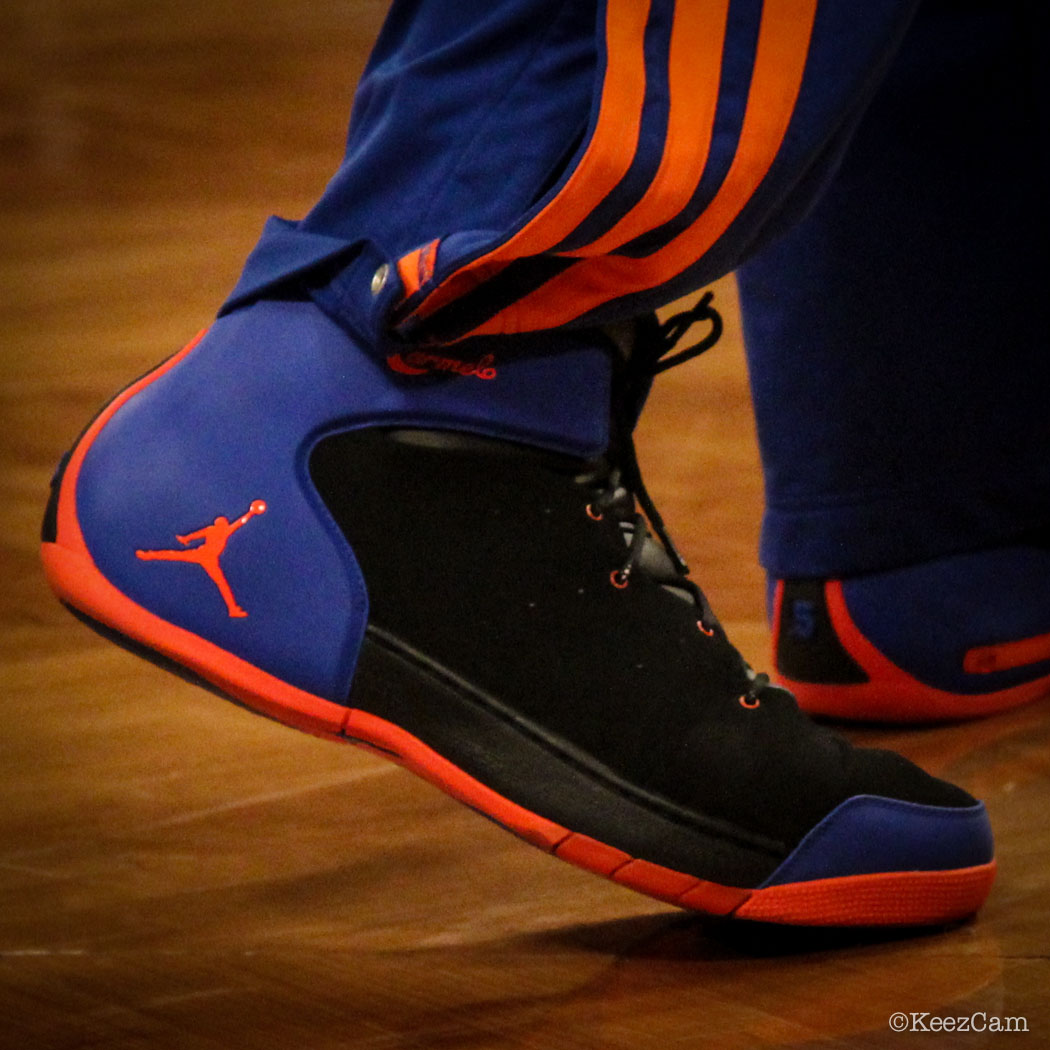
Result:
x=780 y=62
x=72 y=573
x=694 y=74
x=76 y=579
x=926 y=896
x=899 y=897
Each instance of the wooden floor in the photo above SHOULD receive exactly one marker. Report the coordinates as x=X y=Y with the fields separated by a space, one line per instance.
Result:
x=176 y=874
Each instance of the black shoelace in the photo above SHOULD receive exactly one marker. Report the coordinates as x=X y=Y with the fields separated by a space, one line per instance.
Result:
x=622 y=489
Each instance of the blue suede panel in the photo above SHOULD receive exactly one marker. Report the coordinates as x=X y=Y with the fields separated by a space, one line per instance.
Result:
x=867 y=834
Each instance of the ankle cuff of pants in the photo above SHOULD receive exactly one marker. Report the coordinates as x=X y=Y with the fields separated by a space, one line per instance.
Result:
x=899 y=529
x=354 y=282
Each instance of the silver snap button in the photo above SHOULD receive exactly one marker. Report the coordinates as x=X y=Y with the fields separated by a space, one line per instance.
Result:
x=379 y=278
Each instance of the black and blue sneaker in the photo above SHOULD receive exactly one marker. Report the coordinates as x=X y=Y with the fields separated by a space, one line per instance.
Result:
x=444 y=555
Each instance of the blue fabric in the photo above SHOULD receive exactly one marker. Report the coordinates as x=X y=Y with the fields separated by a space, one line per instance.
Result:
x=900 y=414
x=463 y=128
x=897 y=337
x=265 y=385
x=867 y=834
x=459 y=124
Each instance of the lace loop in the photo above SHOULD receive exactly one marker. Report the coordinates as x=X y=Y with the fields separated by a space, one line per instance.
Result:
x=673 y=329
x=751 y=699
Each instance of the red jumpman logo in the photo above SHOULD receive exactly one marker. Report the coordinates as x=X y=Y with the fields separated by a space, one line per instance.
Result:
x=213 y=538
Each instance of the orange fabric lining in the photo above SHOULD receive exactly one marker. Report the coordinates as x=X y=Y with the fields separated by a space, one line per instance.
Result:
x=606 y=160
x=408 y=271
x=780 y=61
x=695 y=71
x=416 y=268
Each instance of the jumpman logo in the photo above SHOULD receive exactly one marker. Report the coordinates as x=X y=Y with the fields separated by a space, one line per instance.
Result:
x=213 y=539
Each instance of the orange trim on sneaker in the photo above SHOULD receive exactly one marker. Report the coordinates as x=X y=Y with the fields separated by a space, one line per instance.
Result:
x=888 y=898
x=890 y=694
x=931 y=897
x=590 y=854
x=897 y=898
x=660 y=882
x=885 y=898
x=714 y=899
x=1003 y=656
x=76 y=579
x=413 y=754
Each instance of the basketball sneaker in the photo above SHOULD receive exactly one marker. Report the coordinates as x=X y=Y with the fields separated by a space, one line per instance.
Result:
x=954 y=638
x=447 y=556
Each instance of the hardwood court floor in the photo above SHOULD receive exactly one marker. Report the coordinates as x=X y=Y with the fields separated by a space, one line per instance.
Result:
x=176 y=874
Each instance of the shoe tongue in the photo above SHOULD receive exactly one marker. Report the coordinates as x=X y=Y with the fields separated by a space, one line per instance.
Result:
x=653 y=558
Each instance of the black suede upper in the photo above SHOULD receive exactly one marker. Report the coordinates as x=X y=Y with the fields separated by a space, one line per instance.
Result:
x=481 y=555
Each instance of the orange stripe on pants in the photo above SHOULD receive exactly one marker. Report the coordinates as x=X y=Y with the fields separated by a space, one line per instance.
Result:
x=695 y=70
x=606 y=160
x=780 y=61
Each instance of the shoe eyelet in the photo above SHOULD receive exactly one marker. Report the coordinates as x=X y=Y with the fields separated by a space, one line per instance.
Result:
x=619 y=579
x=750 y=704
x=594 y=515
x=709 y=631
